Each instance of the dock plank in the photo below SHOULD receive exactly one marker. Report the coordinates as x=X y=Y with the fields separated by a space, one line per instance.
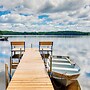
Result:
x=30 y=73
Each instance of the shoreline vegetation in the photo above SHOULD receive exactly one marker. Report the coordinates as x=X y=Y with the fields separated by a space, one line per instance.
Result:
x=45 y=33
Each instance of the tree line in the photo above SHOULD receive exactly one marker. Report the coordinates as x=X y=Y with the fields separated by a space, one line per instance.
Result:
x=45 y=33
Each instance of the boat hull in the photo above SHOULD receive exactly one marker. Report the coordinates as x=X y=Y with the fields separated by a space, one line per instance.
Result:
x=59 y=86
x=63 y=69
x=64 y=78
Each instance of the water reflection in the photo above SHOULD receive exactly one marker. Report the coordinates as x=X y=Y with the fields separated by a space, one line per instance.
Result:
x=88 y=74
x=2 y=76
x=78 y=48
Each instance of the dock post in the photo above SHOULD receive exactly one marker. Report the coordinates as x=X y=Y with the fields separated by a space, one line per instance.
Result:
x=6 y=74
x=50 y=64
x=31 y=45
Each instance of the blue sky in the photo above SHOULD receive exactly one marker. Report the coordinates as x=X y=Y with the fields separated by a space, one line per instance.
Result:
x=45 y=15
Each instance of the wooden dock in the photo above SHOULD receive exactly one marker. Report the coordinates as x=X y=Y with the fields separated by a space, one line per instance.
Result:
x=30 y=73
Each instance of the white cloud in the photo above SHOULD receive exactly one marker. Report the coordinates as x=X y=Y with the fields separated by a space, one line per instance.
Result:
x=44 y=5
x=34 y=4
x=12 y=18
x=62 y=5
x=84 y=12
x=5 y=26
x=9 y=4
x=64 y=14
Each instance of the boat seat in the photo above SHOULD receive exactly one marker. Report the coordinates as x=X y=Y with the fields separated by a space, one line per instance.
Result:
x=58 y=59
x=61 y=63
x=66 y=69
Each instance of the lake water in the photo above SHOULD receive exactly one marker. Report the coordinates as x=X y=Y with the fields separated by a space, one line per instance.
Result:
x=78 y=48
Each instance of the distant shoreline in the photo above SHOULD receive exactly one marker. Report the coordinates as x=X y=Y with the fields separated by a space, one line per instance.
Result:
x=58 y=33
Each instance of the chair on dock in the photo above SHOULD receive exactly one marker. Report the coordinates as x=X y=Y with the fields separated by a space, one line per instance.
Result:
x=45 y=48
x=17 y=49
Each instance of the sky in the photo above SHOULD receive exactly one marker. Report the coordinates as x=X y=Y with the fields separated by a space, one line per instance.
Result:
x=45 y=15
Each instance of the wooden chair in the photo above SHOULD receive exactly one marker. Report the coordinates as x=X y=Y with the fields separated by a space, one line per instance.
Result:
x=17 y=49
x=45 y=48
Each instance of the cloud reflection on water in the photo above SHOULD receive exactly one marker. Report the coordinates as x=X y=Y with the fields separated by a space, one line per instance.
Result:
x=77 y=48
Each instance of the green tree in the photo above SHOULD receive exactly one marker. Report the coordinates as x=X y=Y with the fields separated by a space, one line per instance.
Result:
x=1 y=32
